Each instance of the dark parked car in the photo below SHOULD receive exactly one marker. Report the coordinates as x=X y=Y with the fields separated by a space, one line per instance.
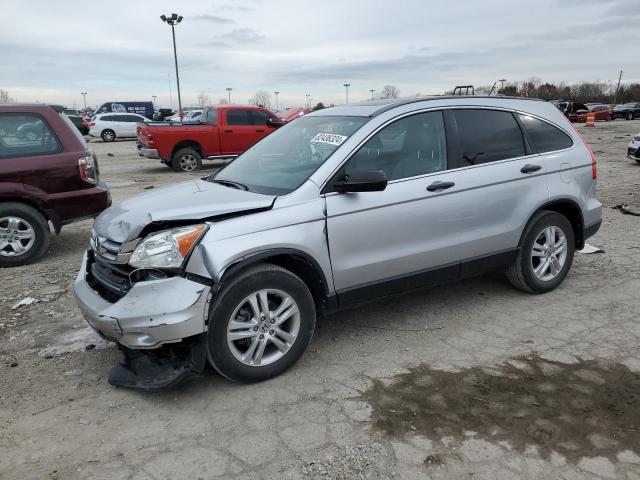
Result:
x=80 y=123
x=48 y=174
x=162 y=113
x=628 y=111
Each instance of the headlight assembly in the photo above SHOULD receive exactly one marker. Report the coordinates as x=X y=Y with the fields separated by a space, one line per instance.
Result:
x=168 y=248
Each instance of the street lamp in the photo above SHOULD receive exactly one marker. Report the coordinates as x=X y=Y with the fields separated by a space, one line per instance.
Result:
x=84 y=96
x=502 y=82
x=372 y=90
x=173 y=20
x=346 y=86
x=229 y=92
x=154 y=100
x=308 y=100
x=276 y=94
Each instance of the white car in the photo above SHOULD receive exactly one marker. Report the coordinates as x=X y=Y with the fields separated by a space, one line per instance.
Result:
x=633 y=150
x=110 y=126
x=189 y=115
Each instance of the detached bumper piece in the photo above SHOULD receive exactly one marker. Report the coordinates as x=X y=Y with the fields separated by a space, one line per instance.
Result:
x=162 y=368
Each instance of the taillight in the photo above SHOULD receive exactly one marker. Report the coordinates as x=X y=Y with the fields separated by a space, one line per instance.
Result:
x=88 y=167
x=150 y=139
x=594 y=169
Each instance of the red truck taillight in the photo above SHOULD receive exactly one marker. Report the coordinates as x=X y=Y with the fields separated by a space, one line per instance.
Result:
x=88 y=167
x=150 y=139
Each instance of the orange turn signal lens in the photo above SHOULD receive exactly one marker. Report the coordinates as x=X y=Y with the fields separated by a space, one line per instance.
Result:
x=187 y=239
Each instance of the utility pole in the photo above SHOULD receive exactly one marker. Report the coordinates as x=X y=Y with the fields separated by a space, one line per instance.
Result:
x=229 y=93
x=173 y=20
x=615 y=98
x=346 y=86
x=84 y=95
x=276 y=94
x=372 y=90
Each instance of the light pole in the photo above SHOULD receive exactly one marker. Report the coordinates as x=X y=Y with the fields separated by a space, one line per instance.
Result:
x=308 y=100
x=173 y=20
x=276 y=94
x=154 y=100
x=372 y=90
x=502 y=82
x=229 y=93
x=346 y=86
x=84 y=96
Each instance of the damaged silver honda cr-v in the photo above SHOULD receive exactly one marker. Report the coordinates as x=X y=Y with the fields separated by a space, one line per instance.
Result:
x=336 y=208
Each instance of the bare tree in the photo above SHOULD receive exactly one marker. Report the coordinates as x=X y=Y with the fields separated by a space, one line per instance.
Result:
x=261 y=98
x=203 y=99
x=4 y=97
x=390 y=91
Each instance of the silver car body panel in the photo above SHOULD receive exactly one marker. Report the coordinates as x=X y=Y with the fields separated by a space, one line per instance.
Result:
x=151 y=314
x=355 y=239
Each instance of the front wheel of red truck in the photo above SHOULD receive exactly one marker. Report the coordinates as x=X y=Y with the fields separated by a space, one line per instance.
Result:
x=186 y=160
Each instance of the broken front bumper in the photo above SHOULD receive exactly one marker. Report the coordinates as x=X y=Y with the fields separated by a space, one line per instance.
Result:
x=150 y=314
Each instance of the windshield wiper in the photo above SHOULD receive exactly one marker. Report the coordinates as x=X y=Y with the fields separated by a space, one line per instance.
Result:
x=229 y=183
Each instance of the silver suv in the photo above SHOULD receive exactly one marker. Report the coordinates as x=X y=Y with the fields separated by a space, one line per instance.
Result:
x=338 y=207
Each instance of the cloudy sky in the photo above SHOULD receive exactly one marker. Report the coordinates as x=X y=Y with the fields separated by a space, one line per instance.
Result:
x=121 y=50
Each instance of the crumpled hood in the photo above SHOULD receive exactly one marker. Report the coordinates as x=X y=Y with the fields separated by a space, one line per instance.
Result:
x=193 y=200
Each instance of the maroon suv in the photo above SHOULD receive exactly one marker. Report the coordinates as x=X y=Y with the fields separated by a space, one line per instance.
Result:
x=48 y=173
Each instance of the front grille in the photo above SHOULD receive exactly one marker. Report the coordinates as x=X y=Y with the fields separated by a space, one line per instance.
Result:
x=110 y=281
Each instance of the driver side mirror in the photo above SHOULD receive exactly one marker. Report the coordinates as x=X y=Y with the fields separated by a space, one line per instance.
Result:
x=275 y=122
x=370 y=181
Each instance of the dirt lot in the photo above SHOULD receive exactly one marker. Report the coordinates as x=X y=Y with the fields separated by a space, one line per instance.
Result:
x=475 y=380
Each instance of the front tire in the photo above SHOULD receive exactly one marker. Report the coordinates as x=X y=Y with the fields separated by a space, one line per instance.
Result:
x=261 y=324
x=108 y=135
x=24 y=234
x=186 y=160
x=545 y=255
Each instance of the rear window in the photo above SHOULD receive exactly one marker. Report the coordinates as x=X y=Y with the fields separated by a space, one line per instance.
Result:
x=26 y=135
x=544 y=136
x=488 y=136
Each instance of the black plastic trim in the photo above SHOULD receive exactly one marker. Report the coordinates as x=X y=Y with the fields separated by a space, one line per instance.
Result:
x=591 y=230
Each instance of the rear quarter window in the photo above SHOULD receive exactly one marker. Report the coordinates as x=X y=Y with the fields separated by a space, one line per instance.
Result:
x=26 y=135
x=544 y=136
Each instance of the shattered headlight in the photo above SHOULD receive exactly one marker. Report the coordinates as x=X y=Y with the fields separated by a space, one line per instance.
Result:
x=168 y=248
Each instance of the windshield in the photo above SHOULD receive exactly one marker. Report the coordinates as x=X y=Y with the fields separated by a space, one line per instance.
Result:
x=284 y=160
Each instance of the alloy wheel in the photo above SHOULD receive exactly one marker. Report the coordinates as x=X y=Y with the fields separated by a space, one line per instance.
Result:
x=188 y=163
x=549 y=253
x=16 y=236
x=263 y=327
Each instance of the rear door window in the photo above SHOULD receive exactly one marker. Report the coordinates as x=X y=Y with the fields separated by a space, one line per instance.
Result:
x=26 y=135
x=239 y=117
x=211 y=116
x=544 y=136
x=110 y=118
x=488 y=136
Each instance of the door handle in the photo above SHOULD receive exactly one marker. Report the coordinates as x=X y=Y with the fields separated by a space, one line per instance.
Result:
x=435 y=186
x=528 y=168
x=228 y=131
x=259 y=131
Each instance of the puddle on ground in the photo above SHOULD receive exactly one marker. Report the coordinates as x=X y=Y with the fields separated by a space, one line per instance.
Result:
x=588 y=408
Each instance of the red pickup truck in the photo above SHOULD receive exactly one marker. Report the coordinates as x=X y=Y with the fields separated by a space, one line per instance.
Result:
x=222 y=133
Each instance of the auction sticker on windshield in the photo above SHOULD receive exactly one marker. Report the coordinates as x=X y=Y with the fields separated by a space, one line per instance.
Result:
x=330 y=138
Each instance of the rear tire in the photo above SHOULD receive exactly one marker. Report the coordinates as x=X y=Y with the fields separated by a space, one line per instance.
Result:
x=543 y=262
x=249 y=343
x=108 y=135
x=186 y=160
x=31 y=228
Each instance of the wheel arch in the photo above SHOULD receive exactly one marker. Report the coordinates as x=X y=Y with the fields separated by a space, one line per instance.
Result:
x=296 y=261
x=186 y=144
x=569 y=209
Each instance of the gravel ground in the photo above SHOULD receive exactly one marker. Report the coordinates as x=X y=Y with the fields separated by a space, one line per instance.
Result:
x=473 y=380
